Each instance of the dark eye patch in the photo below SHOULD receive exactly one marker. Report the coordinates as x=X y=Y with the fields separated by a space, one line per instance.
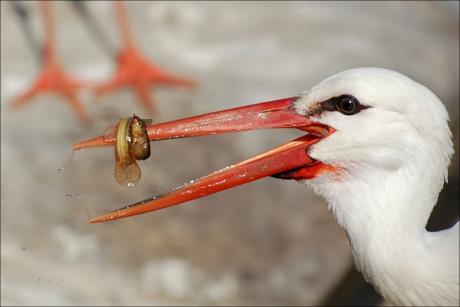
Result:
x=345 y=104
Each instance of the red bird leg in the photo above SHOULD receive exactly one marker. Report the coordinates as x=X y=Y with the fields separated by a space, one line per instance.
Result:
x=123 y=25
x=52 y=79
x=136 y=71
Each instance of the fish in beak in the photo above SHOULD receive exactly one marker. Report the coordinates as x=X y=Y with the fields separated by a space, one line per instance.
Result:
x=288 y=161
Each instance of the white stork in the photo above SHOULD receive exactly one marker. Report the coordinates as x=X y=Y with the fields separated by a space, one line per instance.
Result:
x=377 y=149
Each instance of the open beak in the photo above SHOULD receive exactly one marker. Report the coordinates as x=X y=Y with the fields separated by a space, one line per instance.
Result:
x=288 y=161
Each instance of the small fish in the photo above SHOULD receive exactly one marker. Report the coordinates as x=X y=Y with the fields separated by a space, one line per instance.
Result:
x=131 y=143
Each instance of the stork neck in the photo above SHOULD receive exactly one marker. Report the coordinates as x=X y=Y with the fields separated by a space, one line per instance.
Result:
x=384 y=204
x=384 y=214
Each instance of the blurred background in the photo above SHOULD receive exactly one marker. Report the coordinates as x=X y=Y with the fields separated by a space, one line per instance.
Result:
x=270 y=242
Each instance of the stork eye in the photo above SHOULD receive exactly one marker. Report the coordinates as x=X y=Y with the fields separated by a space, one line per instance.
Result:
x=348 y=105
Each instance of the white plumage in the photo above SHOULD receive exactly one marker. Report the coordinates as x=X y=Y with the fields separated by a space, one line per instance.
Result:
x=392 y=162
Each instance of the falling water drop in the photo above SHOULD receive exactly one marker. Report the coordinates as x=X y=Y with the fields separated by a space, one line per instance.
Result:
x=68 y=196
x=130 y=184
x=62 y=168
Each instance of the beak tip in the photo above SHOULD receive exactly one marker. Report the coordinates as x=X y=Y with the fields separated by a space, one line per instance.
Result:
x=104 y=218
x=94 y=142
x=95 y=220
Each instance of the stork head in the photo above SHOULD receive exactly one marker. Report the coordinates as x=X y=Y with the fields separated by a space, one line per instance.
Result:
x=391 y=142
x=360 y=124
x=382 y=120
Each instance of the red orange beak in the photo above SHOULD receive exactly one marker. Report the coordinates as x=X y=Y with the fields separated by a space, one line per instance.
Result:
x=290 y=160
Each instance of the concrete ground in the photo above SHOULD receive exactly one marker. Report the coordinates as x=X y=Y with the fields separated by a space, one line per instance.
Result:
x=267 y=243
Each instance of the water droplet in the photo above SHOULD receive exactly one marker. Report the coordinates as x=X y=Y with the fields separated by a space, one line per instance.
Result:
x=77 y=196
x=130 y=184
x=68 y=196
x=261 y=115
x=60 y=170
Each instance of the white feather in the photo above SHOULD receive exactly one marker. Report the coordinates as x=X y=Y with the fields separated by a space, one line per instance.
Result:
x=392 y=160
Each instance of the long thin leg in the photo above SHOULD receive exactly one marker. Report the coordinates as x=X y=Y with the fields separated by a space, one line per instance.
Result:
x=24 y=18
x=123 y=25
x=93 y=27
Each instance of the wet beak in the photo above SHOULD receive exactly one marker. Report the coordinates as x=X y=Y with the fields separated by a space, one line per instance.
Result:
x=272 y=114
x=289 y=161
